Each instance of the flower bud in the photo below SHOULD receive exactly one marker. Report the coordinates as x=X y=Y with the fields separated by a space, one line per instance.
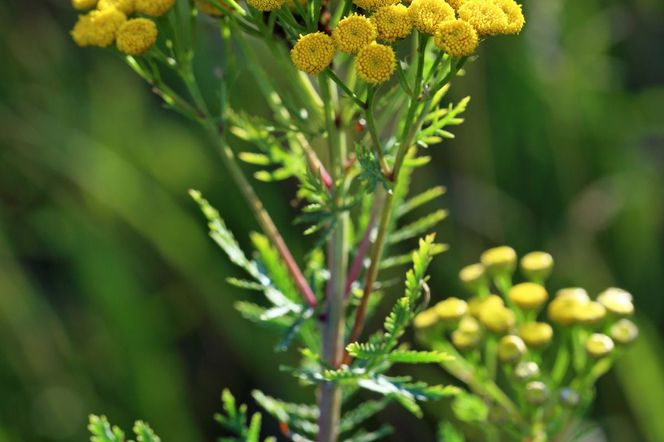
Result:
x=624 y=332
x=497 y=318
x=526 y=370
x=599 y=345
x=426 y=319
x=617 y=301
x=537 y=266
x=537 y=393
x=589 y=313
x=451 y=309
x=499 y=260
x=569 y=397
x=473 y=277
x=468 y=324
x=463 y=340
x=562 y=308
x=528 y=295
x=536 y=334
x=510 y=349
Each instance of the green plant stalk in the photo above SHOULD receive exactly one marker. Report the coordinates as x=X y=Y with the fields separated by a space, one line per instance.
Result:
x=333 y=329
x=256 y=205
x=371 y=122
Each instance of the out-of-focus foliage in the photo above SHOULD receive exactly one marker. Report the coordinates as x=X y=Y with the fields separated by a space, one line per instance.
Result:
x=112 y=298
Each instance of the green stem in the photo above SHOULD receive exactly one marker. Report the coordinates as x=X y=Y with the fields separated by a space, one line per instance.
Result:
x=371 y=122
x=333 y=329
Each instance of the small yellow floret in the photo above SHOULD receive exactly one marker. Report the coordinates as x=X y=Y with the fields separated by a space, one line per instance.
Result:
x=266 y=5
x=313 y=52
x=392 y=22
x=82 y=5
x=499 y=260
x=537 y=266
x=455 y=3
x=154 y=8
x=496 y=317
x=136 y=36
x=528 y=295
x=372 y=5
x=98 y=28
x=515 y=18
x=456 y=37
x=617 y=301
x=451 y=309
x=375 y=63
x=426 y=14
x=599 y=345
x=536 y=334
x=485 y=16
x=353 y=33
x=126 y=6
x=427 y=318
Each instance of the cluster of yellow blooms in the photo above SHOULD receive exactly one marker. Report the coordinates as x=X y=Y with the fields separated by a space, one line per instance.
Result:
x=456 y=26
x=512 y=319
x=107 y=23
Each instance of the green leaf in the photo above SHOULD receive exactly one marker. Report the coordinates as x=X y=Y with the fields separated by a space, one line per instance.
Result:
x=449 y=433
x=102 y=431
x=418 y=357
x=352 y=419
x=468 y=407
x=420 y=199
x=418 y=227
x=365 y=436
x=399 y=260
x=144 y=433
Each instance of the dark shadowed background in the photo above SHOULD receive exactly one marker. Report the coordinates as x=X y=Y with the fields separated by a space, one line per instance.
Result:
x=113 y=300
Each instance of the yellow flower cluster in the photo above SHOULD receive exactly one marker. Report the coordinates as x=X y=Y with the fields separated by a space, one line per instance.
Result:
x=492 y=17
x=313 y=52
x=427 y=14
x=372 y=5
x=108 y=24
x=353 y=33
x=376 y=63
x=456 y=37
x=392 y=22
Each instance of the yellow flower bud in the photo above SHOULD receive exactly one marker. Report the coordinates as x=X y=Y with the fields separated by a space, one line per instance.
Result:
x=125 y=6
x=98 y=28
x=82 y=5
x=426 y=14
x=528 y=295
x=537 y=393
x=372 y=5
x=497 y=318
x=499 y=260
x=624 y=332
x=375 y=63
x=599 y=345
x=392 y=22
x=617 y=301
x=353 y=33
x=313 y=52
x=476 y=303
x=426 y=319
x=154 y=8
x=473 y=277
x=451 y=309
x=537 y=266
x=468 y=324
x=562 y=309
x=510 y=349
x=136 y=36
x=456 y=37
x=464 y=340
x=536 y=334
x=589 y=313
x=526 y=370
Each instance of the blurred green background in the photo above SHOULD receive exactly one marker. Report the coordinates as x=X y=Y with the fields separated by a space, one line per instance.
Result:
x=113 y=300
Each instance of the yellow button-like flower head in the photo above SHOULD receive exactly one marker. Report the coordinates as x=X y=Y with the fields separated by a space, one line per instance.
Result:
x=353 y=33
x=589 y=313
x=126 y=6
x=392 y=22
x=83 y=5
x=497 y=318
x=510 y=349
x=528 y=295
x=617 y=301
x=136 y=36
x=426 y=14
x=499 y=260
x=372 y=5
x=624 y=332
x=599 y=345
x=456 y=37
x=426 y=319
x=562 y=309
x=98 y=28
x=313 y=52
x=537 y=266
x=515 y=18
x=473 y=277
x=375 y=63
x=154 y=8
x=451 y=309
x=536 y=334
x=463 y=340
x=485 y=16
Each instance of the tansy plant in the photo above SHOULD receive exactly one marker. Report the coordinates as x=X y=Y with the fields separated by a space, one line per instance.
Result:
x=360 y=91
